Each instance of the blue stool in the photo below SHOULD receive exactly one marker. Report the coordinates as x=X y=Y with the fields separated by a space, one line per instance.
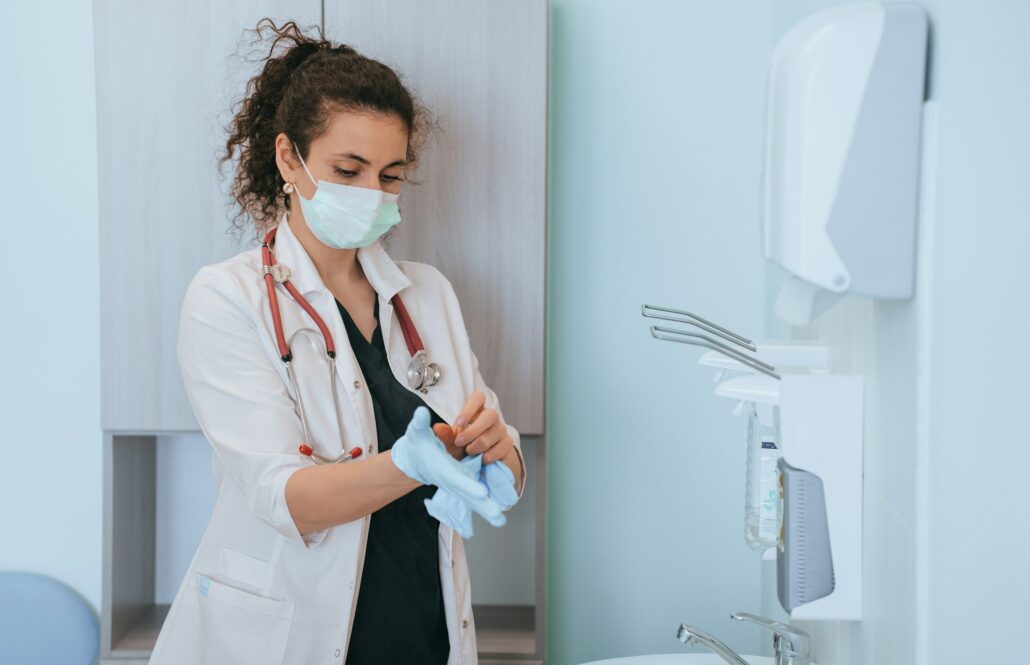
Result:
x=45 y=622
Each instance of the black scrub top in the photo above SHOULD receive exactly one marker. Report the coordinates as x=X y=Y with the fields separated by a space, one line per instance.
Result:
x=400 y=614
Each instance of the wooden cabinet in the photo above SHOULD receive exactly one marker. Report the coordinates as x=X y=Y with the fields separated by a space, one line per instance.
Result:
x=479 y=216
x=166 y=78
x=166 y=75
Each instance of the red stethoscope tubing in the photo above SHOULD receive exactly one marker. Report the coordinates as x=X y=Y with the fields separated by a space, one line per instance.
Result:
x=411 y=336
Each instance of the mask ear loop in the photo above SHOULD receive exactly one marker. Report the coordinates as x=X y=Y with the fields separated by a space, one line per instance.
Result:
x=310 y=177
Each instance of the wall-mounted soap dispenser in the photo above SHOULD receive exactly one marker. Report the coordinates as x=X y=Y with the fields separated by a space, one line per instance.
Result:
x=815 y=417
x=845 y=99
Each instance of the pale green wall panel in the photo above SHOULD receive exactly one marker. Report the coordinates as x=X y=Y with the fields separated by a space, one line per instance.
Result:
x=655 y=156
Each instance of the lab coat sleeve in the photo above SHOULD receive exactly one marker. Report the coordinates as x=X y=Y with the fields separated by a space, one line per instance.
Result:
x=239 y=398
x=479 y=384
x=493 y=403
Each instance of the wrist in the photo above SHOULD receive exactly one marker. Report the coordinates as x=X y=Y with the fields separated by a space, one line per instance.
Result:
x=514 y=462
x=398 y=461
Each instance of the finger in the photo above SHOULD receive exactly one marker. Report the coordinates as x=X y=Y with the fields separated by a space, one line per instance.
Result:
x=472 y=406
x=445 y=433
x=499 y=450
x=490 y=510
x=455 y=519
x=419 y=420
x=486 y=440
x=486 y=419
x=456 y=452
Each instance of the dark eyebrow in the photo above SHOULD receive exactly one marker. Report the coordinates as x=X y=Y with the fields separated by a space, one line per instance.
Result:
x=359 y=158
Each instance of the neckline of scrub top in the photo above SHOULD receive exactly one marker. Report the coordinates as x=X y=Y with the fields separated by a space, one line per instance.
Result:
x=349 y=323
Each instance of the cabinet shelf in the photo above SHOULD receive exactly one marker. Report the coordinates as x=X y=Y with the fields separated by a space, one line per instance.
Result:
x=139 y=641
x=503 y=633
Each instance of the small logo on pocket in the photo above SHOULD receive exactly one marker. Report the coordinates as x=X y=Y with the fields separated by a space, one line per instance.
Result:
x=205 y=584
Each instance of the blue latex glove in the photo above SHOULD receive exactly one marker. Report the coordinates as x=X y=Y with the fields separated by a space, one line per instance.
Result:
x=451 y=510
x=421 y=456
x=501 y=482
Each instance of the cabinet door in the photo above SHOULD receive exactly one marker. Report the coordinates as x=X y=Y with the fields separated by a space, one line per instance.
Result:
x=166 y=75
x=479 y=214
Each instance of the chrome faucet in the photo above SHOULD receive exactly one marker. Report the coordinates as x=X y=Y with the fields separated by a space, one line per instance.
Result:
x=694 y=637
x=791 y=646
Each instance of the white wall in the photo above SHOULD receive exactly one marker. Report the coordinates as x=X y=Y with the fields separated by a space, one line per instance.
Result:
x=50 y=438
x=946 y=579
x=975 y=591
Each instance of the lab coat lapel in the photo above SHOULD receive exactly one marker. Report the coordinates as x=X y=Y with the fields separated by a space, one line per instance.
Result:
x=386 y=278
x=305 y=278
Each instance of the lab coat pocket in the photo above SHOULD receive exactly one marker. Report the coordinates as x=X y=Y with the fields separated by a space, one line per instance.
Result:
x=248 y=570
x=237 y=626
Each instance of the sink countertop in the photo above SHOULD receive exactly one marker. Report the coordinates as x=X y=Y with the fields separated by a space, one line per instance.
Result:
x=679 y=659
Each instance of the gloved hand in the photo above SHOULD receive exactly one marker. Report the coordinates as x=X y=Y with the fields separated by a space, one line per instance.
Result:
x=421 y=456
x=451 y=510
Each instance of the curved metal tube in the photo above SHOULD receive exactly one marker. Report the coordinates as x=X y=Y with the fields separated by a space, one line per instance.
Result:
x=792 y=645
x=683 y=316
x=694 y=637
x=704 y=341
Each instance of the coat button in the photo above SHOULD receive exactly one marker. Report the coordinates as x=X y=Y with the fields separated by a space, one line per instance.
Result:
x=465 y=623
x=351 y=584
x=336 y=653
x=370 y=449
x=357 y=384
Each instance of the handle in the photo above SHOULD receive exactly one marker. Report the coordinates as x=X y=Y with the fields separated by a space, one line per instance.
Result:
x=695 y=320
x=792 y=642
x=695 y=339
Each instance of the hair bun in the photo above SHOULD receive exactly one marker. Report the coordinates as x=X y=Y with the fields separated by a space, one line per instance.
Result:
x=305 y=78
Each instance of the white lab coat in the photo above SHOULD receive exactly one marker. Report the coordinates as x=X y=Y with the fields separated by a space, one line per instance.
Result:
x=257 y=592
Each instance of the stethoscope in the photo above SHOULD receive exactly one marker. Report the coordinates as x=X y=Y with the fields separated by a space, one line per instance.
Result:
x=422 y=374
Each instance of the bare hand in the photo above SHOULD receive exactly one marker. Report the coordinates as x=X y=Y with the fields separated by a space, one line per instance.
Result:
x=480 y=430
x=446 y=433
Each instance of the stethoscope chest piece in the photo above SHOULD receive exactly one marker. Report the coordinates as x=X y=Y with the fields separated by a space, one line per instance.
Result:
x=421 y=373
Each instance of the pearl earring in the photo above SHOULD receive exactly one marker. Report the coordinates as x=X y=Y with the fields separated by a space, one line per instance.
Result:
x=288 y=187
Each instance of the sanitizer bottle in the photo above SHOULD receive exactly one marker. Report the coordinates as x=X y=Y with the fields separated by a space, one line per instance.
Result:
x=761 y=503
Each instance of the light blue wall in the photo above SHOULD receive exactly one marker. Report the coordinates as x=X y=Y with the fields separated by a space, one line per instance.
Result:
x=50 y=438
x=978 y=593
x=655 y=139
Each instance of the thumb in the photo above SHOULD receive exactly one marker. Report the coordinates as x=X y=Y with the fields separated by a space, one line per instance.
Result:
x=419 y=421
x=445 y=433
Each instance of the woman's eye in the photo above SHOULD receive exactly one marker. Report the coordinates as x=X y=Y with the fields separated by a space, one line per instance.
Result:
x=346 y=174
x=392 y=178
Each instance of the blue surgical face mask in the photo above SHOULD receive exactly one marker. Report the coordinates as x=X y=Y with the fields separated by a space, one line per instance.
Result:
x=344 y=216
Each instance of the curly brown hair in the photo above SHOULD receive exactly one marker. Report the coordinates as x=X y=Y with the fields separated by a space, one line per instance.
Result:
x=305 y=79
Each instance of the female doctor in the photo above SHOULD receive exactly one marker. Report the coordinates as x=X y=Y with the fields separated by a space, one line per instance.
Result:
x=320 y=547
